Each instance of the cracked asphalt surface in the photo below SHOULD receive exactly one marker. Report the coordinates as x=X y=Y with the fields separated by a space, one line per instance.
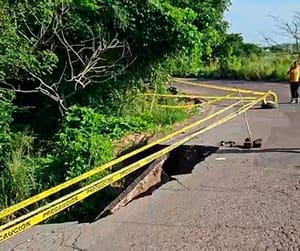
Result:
x=234 y=200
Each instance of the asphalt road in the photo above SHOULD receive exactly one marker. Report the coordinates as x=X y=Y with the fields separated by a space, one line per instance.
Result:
x=233 y=200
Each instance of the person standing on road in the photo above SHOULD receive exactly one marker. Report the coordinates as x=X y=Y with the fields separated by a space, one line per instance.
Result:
x=294 y=77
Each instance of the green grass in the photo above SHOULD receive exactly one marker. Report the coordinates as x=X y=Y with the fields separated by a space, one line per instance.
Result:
x=272 y=67
x=20 y=177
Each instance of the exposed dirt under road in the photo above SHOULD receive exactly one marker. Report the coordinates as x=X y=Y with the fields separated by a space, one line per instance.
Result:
x=233 y=200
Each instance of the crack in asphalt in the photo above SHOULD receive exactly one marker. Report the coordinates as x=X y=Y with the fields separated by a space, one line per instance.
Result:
x=74 y=243
x=21 y=243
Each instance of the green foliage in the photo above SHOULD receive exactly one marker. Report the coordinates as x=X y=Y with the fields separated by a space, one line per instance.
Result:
x=89 y=120
x=209 y=22
x=80 y=145
x=6 y=112
x=184 y=65
x=86 y=139
x=234 y=46
x=20 y=177
x=165 y=116
x=252 y=67
x=46 y=48
x=13 y=60
x=19 y=167
x=179 y=35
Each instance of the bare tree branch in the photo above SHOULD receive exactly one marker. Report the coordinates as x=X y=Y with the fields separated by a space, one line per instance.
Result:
x=88 y=61
x=290 y=29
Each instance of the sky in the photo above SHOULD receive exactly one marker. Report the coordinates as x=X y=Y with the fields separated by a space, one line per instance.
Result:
x=252 y=18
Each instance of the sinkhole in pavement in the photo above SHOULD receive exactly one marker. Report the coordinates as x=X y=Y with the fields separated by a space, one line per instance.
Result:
x=140 y=183
x=180 y=161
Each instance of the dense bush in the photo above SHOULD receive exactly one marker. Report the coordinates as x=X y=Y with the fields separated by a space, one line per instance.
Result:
x=6 y=112
x=86 y=138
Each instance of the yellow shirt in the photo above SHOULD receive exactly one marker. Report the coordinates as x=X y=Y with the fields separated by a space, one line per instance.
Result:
x=294 y=74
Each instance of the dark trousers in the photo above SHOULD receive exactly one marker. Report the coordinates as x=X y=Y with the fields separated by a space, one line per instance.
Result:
x=294 y=90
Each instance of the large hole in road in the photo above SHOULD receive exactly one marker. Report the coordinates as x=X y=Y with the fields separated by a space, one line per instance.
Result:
x=139 y=184
x=180 y=161
x=183 y=159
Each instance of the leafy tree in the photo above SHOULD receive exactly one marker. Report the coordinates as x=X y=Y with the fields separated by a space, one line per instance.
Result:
x=69 y=46
x=234 y=46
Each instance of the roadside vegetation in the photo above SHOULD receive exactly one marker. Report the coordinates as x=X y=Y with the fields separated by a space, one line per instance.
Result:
x=72 y=78
x=72 y=75
x=242 y=61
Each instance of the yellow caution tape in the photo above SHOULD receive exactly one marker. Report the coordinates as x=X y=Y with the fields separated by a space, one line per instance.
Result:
x=21 y=218
x=82 y=193
x=215 y=100
x=273 y=95
x=232 y=89
x=199 y=96
x=217 y=87
x=23 y=204
x=180 y=106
